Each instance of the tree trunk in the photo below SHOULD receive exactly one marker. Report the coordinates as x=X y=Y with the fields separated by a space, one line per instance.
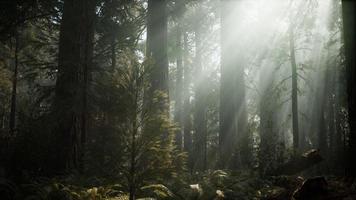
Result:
x=349 y=12
x=339 y=155
x=233 y=138
x=200 y=122
x=187 y=105
x=294 y=91
x=331 y=117
x=320 y=108
x=179 y=87
x=268 y=129
x=157 y=54
x=12 y=120
x=322 y=137
x=132 y=178
x=228 y=124
x=70 y=104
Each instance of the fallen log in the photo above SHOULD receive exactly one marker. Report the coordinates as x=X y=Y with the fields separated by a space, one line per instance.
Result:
x=299 y=163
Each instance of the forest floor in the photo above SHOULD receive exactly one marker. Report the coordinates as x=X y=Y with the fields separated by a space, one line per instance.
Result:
x=215 y=185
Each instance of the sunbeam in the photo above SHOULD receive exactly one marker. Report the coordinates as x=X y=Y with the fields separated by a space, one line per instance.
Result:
x=177 y=99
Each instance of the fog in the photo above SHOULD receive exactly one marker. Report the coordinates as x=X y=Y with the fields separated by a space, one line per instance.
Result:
x=257 y=32
x=177 y=99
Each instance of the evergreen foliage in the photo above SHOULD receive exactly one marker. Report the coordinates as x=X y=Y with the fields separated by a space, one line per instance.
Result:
x=176 y=99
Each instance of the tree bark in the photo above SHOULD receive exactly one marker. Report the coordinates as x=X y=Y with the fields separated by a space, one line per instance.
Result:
x=157 y=54
x=12 y=120
x=179 y=84
x=349 y=22
x=200 y=107
x=294 y=91
x=339 y=155
x=322 y=137
x=331 y=117
x=70 y=104
x=187 y=105
x=132 y=171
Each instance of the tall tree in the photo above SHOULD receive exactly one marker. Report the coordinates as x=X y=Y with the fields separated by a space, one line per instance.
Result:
x=233 y=115
x=157 y=54
x=178 y=117
x=227 y=94
x=293 y=61
x=330 y=112
x=187 y=104
x=12 y=121
x=340 y=94
x=74 y=63
x=296 y=24
x=322 y=136
x=349 y=22
x=200 y=121
x=268 y=120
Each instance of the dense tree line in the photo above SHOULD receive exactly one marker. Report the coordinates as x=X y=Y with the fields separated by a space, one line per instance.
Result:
x=145 y=91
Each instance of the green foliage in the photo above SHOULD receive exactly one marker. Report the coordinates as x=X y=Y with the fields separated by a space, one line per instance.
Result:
x=138 y=142
x=130 y=141
x=214 y=185
x=56 y=189
x=158 y=191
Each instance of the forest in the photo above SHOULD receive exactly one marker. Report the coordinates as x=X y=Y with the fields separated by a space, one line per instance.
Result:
x=177 y=100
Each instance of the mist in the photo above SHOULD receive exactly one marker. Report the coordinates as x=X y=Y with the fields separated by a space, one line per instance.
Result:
x=177 y=99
